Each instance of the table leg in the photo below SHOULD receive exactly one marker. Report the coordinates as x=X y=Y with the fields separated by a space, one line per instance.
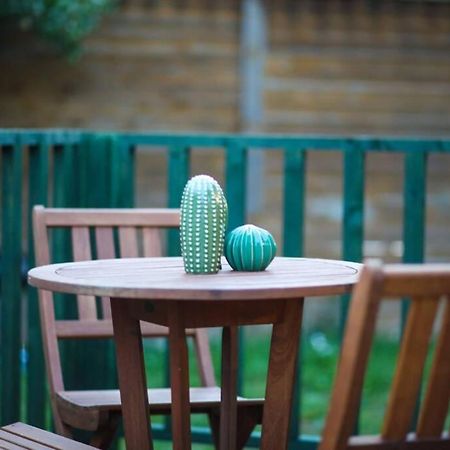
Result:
x=179 y=380
x=132 y=381
x=280 y=378
x=228 y=406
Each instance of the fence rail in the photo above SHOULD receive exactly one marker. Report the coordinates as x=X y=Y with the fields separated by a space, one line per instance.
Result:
x=90 y=169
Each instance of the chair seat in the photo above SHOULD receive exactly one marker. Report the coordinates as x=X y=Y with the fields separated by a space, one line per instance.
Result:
x=22 y=436
x=201 y=398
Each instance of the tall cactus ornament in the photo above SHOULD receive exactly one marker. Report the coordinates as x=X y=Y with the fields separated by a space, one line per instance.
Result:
x=204 y=215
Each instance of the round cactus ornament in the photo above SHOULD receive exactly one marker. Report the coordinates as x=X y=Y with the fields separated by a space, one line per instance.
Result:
x=204 y=215
x=249 y=248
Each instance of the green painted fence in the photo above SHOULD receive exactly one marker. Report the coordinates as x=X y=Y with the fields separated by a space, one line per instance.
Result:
x=89 y=169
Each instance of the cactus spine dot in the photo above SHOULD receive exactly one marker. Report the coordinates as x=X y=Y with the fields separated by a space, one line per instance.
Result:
x=204 y=215
x=250 y=248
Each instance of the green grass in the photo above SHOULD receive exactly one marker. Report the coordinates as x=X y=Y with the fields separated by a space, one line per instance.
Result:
x=319 y=355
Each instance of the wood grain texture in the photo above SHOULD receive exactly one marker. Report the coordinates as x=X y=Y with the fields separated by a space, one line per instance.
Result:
x=81 y=246
x=437 y=396
x=128 y=242
x=92 y=232
x=28 y=437
x=179 y=300
x=164 y=278
x=104 y=240
x=424 y=285
x=281 y=377
x=201 y=398
x=356 y=345
x=109 y=217
x=228 y=407
x=151 y=240
x=131 y=371
x=179 y=380
x=408 y=375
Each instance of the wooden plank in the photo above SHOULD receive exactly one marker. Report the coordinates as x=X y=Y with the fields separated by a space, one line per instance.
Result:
x=235 y=182
x=64 y=195
x=111 y=217
x=414 y=196
x=346 y=394
x=81 y=246
x=408 y=375
x=47 y=316
x=421 y=279
x=66 y=329
x=280 y=377
x=412 y=443
x=353 y=220
x=37 y=435
x=128 y=242
x=104 y=240
x=179 y=159
x=121 y=173
x=94 y=187
x=228 y=406
x=5 y=445
x=437 y=397
x=10 y=309
x=201 y=398
x=203 y=353
x=18 y=442
x=132 y=381
x=179 y=380
x=165 y=279
x=294 y=201
x=37 y=195
x=93 y=176
x=151 y=240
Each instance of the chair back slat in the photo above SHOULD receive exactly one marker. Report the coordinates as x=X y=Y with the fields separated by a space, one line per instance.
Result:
x=408 y=375
x=128 y=242
x=437 y=397
x=354 y=355
x=104 y=240
x=426 y=285
x=203 y=354
x=104 y=223
x=151 y=241
x=81 y=248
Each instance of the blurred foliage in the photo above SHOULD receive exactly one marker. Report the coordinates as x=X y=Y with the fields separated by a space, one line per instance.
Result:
x=63 y=22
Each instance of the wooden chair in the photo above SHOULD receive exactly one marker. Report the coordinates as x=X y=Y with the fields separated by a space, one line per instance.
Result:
x=426 y=286
x=99 y=411
x=18 y=436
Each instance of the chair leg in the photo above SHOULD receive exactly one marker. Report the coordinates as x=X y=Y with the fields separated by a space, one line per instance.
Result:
x=214 y=423
x=248 y=418
x=104 y=435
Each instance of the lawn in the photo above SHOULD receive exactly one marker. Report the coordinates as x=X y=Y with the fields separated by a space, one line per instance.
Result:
x=319 y=355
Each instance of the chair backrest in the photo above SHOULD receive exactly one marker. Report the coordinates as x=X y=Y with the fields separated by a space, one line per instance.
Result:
x=95 y=231
x=426 y=286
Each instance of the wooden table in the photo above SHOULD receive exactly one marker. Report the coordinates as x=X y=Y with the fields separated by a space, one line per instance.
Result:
x=159 y=291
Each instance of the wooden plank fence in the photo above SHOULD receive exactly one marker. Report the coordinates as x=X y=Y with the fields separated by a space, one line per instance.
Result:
x=90 y=169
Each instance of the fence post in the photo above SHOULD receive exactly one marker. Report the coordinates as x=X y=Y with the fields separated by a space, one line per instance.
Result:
x=293 y=235
x=36 y=376
x=353 y=220
x=65 y=194
x=11 y=282
x=235 y=188
x=178 y=175
x=414 y=195
x=294 y=201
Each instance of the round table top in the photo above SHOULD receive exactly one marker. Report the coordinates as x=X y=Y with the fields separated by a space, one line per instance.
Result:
x=164 y=278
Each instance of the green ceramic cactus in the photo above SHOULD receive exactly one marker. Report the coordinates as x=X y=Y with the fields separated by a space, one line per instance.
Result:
x=204 y=215
x=250 y=248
